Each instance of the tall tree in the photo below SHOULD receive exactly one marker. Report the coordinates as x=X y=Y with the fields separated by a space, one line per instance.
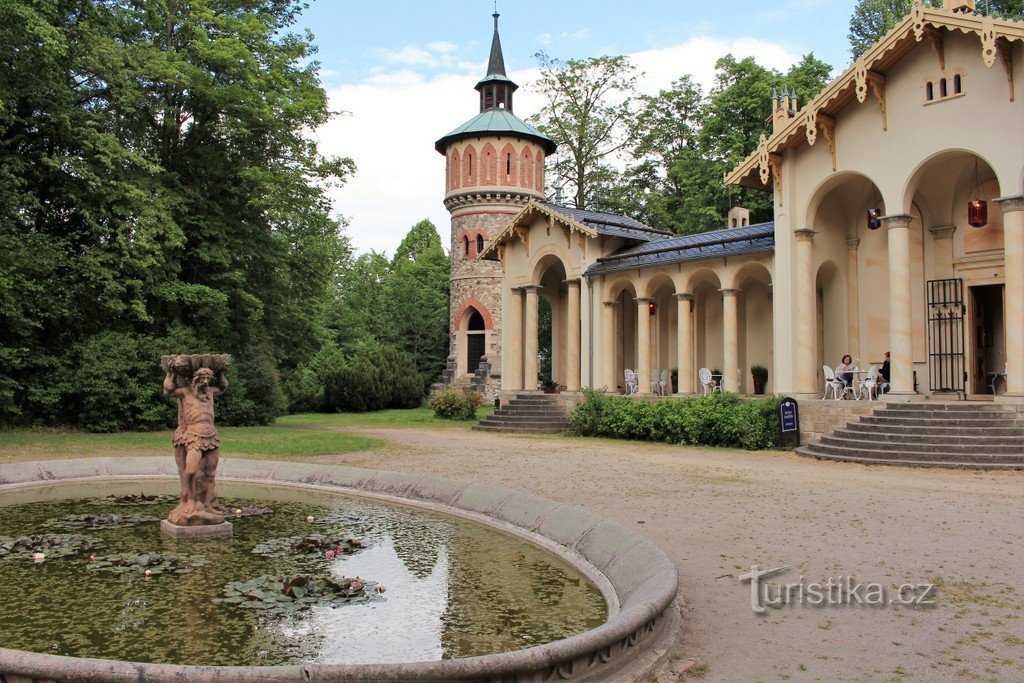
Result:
x=156 y=173
x=872 y=19
x=588 y=111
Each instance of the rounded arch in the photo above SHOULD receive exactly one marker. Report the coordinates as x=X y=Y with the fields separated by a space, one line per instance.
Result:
x=617 y=286
x=655 y=282
x=470 y=166
x=546 y=257
x=945 y=172
x=861 y=187
x=526 y=168
x=454 y=170
x=488 y=165
x=749 y=270
x=466 y=311
x=702 y=275
x=508 y=165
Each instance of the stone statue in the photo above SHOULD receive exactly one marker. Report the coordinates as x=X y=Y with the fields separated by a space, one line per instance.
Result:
x=196 y=442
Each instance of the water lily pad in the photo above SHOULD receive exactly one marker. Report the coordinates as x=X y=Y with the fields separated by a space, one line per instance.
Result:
x=247 y=511
x=308 y=545
x=99 y=521
x=296 y=592
x=155 y=563
x=135 y=499
x=51 y=545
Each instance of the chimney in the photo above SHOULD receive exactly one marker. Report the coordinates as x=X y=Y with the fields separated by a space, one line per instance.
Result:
x=958 y=6
x=739 y=217
x=780 y=109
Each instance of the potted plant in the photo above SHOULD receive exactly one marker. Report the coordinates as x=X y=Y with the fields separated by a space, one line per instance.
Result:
x=760 y=375
x=550 y=386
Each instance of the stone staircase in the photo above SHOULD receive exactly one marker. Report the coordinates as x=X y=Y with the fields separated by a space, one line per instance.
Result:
x=961 y=435
x=528 y=412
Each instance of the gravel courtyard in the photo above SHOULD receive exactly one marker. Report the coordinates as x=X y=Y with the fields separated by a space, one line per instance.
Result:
x=718 y=512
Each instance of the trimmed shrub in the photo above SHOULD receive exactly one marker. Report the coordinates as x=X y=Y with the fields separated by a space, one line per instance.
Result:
x=456 y=404
x=716 y=420
x=374 y=378
x=254 y=395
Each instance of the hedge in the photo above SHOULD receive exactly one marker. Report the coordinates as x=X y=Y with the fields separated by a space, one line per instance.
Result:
x=721 y=419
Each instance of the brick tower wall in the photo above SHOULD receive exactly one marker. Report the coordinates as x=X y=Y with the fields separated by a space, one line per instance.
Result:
x=483 y=195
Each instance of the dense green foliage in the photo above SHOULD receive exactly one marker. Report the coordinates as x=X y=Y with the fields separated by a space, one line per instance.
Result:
x=456 y=404
x=373 y=378
x=160 y=193
x=872 y=19
x=661 y=158
x=716 y=420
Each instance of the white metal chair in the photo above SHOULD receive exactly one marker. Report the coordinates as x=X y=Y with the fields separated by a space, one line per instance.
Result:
x=833 y=384
x=707 y=382
x=665 y=382
x=656 y=382
x=631 y=382
x=870 y=383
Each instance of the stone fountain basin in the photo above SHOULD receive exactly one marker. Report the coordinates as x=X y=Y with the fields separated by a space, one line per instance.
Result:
x=637 y=579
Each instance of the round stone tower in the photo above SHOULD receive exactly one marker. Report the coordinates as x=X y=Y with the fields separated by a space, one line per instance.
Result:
x=495 y=165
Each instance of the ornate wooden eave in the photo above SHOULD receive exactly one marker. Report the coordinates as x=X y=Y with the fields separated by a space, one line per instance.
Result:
x=864 y=81
x=517 y=228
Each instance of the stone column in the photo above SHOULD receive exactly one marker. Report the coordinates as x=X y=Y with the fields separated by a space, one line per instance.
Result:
x=514 y=341
x=730 y=340
x=684 y=342
x=853 y=296
x=900 y=312
x=530 y=339
x=643 y=344
x=1013 y=302
x=608 y=345
x=572 y=321
x=805 y=356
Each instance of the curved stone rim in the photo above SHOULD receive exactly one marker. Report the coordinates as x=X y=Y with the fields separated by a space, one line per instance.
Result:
x=638 y=579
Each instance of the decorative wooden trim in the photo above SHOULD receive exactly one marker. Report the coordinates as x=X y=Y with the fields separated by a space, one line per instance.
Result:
x=524 y=236
x=828 y=129
x=762 y=159
x=988 y=41
x=876 y=82
x=1005 y=49
x=775 y=161
x=935 y=37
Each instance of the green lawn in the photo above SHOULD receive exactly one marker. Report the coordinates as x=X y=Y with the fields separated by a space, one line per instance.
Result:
x=294 y=436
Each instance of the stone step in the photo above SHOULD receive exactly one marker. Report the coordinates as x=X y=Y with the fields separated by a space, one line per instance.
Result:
x=891 y=435
x=936 y=422
x=911 y=462
x=913 y=456
x=518 y=429
x=922 y=446
x=526 y=424
x=948 y=407
x=861 y=428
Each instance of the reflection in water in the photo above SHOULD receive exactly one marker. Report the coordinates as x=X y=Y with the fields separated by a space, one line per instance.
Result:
x=454 y=589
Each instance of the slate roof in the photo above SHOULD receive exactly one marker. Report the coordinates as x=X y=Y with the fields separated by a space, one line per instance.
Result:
x=609 y=224
x=705 y=245
x=495 y=122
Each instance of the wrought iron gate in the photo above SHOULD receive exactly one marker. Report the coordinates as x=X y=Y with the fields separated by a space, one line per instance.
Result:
x=946 y=368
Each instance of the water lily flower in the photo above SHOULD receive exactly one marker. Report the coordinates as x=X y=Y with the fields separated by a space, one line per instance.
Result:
x=238 y=511
x=338 y=550
x=310 y=518
x=149 y=572
x=329 y=554
x=92 y=558
x=356 y=585
x=381 y=589
x=38 y=557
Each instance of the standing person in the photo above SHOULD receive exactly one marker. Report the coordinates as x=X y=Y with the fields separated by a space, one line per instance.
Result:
x=883 y=371
x=843 y=370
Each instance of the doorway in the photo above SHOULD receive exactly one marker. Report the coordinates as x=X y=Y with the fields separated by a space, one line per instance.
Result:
x=476 y=336
x=988 y=340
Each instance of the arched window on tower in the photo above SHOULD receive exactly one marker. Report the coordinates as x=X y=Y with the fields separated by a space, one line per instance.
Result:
x=465 y=246
x=479 y=244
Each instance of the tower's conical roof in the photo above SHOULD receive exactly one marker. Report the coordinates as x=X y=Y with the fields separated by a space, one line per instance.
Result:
x=496 y=61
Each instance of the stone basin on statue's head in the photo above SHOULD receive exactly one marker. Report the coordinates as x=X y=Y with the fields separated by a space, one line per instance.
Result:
x=632 y=581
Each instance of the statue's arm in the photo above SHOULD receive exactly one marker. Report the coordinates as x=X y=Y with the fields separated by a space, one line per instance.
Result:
x=170 y=387
x=222 y=384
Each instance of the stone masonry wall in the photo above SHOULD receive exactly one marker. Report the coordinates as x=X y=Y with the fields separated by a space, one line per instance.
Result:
x=823 y=417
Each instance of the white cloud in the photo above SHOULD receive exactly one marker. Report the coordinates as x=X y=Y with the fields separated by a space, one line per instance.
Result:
x=442 y=46
x=396 y=116
x=544 y=39
x=411 y=55
x=577 y=35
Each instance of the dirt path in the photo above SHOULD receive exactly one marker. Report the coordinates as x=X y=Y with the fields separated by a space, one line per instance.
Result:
x=718 y=512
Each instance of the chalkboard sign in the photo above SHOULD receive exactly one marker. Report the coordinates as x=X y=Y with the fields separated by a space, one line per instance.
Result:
x=789 y=419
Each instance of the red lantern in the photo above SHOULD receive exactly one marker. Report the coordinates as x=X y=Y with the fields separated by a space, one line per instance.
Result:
x=874 y=219
x=977 y=213
x=653 y=308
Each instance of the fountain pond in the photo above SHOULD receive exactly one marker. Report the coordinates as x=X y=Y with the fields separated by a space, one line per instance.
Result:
x=308 y=577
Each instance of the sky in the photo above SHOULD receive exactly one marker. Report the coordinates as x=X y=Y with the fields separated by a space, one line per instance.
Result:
x=400 y=74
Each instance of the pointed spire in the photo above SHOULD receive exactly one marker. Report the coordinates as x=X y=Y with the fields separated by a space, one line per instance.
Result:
x=775 y=93
x=496 y=63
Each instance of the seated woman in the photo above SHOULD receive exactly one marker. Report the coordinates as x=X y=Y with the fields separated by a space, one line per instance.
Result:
x=883 y=373
x=843 y=370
